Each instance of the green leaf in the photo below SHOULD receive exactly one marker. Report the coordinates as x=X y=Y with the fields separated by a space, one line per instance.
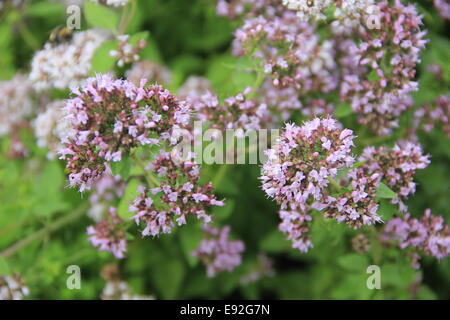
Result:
x=354 y=262
x=4 y=268
x=352 y=286
x=227 y=81
x=129 y=194
x=7 y=69
x=397 y=274
x=386 y=210
x=151 y=51
x=47 y=190
x=241 y=64
x=138 y=36
x=100 y=16
x=190 y=237
x=343 y=172
x=102 y=61
x=275 y=242
x=373 y=76
x=221 y=213
x=425 y=293
x=343 y=110
x=329 y=12
x=384 y=192
x=122 y=167
x=44 y=9
x=167 y=276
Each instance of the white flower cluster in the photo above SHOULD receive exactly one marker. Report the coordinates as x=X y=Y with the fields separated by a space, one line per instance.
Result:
x=194 y=86
x=51 y=126
x=120 y=290
x=112 y=3
x=72 y=2
x=152 y=71
x=352 y=14
x=66 y=65
x=12 y=288
x=15 y=102
x=126 y=52
x=307 y=9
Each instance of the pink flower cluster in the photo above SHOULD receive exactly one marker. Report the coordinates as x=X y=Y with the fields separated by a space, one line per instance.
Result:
x=217 y=252
x=108 y=235
x=429 y=234
x=282 y=101
x=303 y=159
x=381 y=92
x=373 y=70
x=178 y=196
x=396 y=166
x=109 y=117
x=297 y=175
x=236 y=112
x=296 y=224
x=236 y=8
x=292 y=52
x=318 y=107
x=357 y=206
x=104 y=191
x=435 y=114
x=443 y=7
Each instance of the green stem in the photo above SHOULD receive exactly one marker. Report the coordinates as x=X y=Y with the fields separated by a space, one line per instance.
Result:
x=52 y=227
x=335 y=184
x=258 y=82
x=220 y=174
x=28 y=36
x=150 y=178
x=132 y=13
x=377 y=250
x=127 y=17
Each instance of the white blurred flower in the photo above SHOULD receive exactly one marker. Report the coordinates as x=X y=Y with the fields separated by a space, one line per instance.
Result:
x=66 y=65
x=153 y=72
x=15 y=102
x=51 y=126
x=112 y=3
x=12 y=288
x=307 y=9
x=120 y=290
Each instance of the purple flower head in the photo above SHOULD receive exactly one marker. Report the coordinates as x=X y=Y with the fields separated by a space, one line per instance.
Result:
x=429 y=234
x=178 y=196
x=217 y=252
x=396 y=166
x=303 y=159
x=109 y=117
x=108 y=236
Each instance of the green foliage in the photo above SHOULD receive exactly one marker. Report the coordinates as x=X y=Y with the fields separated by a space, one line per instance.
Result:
x=122 y=167
x=102 y=61
x=129 y=194
x=384 y=192
x=99 y=16
x=343 y=110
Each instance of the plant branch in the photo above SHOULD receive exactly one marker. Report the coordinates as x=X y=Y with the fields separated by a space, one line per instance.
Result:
x=28 y=36
x=150 y=178
x=52 y=227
